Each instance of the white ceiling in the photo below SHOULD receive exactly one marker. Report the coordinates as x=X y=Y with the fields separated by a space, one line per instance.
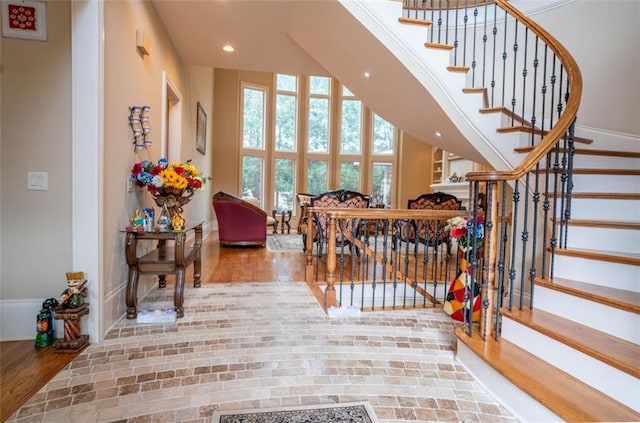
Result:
x=328 y=41
x=256 y=28
x=263 y=34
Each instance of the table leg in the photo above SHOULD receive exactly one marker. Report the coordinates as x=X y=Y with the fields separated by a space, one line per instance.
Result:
x=132 y=292
x=131 y=299
x=286 y=218
x=197 y=263
x=274 y=214
x=178 y=294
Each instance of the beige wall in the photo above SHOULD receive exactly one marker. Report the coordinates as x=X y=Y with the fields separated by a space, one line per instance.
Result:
x=36 y=136
x=36 y=117
x=134 y=79
x=415 y=176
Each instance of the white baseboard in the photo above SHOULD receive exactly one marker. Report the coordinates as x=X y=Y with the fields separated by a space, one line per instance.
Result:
x=18 y=319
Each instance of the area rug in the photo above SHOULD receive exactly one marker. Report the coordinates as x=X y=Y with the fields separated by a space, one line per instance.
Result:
x=354 y=412
x=284 y=242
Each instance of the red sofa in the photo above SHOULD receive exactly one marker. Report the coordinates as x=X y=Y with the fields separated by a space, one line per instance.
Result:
x=239 y=222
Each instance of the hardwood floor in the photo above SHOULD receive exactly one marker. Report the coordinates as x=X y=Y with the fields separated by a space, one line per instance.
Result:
x=25 y=369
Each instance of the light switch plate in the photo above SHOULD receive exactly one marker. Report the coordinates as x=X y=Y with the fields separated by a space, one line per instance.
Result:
x=37 y=181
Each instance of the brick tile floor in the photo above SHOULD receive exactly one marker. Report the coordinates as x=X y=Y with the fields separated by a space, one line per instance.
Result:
x=264 y=345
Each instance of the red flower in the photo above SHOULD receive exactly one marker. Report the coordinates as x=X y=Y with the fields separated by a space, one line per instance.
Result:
x=458 y=232
x=155 y=170
x=137 y=169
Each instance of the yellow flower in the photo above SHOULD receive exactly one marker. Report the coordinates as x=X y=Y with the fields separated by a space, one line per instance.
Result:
x=172 y=180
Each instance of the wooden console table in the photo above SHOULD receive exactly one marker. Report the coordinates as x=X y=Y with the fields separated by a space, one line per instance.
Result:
x=163 y=260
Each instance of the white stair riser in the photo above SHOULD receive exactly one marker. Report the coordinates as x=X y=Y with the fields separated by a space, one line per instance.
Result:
x=590 y=208
x=613 y=382
x=606 y=183
x=588 y=161
x=587 y=183
x=606 y=239
x=613 y=275
x=616 y=322
x=521 y=405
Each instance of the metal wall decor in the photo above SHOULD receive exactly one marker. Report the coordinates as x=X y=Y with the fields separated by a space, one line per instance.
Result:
x=139 y=123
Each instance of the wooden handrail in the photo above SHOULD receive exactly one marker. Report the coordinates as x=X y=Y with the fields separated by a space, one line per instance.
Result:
x=362 y=213
x=565 y=120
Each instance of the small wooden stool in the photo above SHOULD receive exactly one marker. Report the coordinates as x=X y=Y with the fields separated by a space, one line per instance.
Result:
x=73 y=341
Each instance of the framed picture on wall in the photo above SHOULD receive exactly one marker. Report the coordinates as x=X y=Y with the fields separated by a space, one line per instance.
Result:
x=24 y=19
x=201 y=130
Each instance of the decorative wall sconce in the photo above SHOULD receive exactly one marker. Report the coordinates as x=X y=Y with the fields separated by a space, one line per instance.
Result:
x=139 y=123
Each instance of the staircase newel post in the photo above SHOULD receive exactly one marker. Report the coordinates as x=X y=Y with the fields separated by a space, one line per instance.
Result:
x=308 y=250
x=490 y=253
x=330 y=292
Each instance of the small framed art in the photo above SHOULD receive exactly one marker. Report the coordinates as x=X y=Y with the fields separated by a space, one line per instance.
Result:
x=24 y=19
x=201 y=130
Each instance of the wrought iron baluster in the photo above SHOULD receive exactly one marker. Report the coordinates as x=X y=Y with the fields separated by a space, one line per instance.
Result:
x=515 y=65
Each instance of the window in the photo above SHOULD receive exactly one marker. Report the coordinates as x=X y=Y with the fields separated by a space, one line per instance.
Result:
x=284 y=192
x=252 y=177
x=286 y=116
x=383 y=136
x=253 y=118
x=253 y=141
x=350 y=175
x=318 y=132
x=381 y=184
x=351 y=127
x=317 y=172
x=360 y=156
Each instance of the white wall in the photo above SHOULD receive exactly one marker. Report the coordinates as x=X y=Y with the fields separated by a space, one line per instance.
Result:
x=604 y=39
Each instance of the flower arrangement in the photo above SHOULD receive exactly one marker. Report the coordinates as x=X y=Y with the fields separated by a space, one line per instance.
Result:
x=163 y=179
x=459 y=227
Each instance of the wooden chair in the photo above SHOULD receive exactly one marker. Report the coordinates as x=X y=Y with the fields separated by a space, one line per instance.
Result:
x=431 y=233
x=340 y=198
x=303 y=199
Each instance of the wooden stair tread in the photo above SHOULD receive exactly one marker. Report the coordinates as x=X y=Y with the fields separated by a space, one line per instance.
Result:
x=414 y=21
x=538 y=131
x=567 y=397
x=460 y=69
x=601 y=195
x=611 y=224
x=616 y=352
x=613 y=297
x=588 y=152
x=439 y=46
x=622 y=257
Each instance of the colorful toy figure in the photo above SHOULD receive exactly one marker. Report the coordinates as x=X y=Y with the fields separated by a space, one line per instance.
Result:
x=137 y=221
x=46 y=324
x=177 y=222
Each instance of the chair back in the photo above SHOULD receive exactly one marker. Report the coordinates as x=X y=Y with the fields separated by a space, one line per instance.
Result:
x=340 y=198
x=435 y=201
x=431 y=233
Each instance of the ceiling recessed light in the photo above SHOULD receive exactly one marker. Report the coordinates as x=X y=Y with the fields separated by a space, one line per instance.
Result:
x=367 y=75
x=228 y=48
x=438 y=134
